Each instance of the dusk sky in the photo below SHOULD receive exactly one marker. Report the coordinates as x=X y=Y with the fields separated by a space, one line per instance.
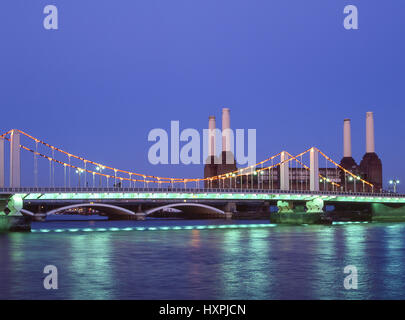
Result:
x=114 y=70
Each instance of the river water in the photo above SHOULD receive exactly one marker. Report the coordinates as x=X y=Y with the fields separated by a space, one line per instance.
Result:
x=184 y=259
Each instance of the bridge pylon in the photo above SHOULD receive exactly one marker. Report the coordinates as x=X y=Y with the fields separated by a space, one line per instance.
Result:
x=1 y=162
x=314 y=170
x=284 y=171
x=15 y=163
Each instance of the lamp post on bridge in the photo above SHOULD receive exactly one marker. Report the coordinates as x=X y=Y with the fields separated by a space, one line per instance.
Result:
x=394 y=183
x=79 y=172
x=100 y=169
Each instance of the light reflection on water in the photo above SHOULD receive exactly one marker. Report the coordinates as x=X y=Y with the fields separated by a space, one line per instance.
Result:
x=283 y=262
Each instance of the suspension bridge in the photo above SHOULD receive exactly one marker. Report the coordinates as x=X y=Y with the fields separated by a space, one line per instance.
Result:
x=295 y=184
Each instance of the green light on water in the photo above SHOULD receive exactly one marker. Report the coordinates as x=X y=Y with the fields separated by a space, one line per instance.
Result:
x=203 y=227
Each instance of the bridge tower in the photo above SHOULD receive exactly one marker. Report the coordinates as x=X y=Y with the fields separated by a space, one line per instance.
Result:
x=314 y=170
x=284 y=172
x=15 y=164
x=1 y=162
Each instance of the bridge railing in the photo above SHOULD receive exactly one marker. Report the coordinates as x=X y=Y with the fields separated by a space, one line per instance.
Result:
x=190 y=190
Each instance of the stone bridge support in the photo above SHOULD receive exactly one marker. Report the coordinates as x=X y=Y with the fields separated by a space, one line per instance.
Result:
x=315 y=205
x=387 y=213
x=285 y=206
x=230 y=209
x=288 y=214
x=11 y=218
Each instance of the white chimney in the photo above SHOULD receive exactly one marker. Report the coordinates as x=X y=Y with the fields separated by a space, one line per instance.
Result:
x=226 y=127
x=211 y=136
x=347 y=139
x=370 y=144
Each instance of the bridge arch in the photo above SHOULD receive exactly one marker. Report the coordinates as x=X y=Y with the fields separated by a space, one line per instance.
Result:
x=28 y=213
x=107 y=208
x=198 y=206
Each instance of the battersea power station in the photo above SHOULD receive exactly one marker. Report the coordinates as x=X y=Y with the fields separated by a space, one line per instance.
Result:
x=333 y=178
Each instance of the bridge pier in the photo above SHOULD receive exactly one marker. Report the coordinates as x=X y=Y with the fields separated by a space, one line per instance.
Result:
x=15 y=224
x=140 y=216
x=230 y=208
x=385 y=213
x=11 y=218
x=228 y=215
x=288 y=214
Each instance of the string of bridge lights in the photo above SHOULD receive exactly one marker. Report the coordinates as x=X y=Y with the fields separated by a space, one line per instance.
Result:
x=146 y=179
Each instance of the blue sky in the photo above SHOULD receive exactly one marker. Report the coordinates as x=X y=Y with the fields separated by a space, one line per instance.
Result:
x=117 y=69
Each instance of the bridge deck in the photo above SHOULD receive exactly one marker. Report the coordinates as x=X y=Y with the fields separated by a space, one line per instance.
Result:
x=196 y=194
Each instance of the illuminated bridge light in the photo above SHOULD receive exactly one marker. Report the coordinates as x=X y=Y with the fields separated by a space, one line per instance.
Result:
x=204 y=227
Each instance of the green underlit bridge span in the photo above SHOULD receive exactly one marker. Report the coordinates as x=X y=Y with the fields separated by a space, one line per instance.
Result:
x=139 y=203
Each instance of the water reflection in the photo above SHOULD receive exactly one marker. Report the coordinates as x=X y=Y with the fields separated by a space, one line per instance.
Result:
x=90 y=267
x=297 y=262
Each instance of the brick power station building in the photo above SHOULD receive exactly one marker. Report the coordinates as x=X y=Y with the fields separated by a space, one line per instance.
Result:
x=370 y=168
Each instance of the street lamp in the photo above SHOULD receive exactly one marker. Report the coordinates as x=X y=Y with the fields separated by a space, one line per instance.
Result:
x=79 y=172
x=100 y=169
x=394 y=183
